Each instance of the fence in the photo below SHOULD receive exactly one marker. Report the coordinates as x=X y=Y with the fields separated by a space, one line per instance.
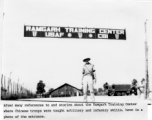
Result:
x=11 y=90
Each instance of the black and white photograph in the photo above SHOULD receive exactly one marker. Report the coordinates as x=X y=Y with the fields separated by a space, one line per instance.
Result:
x=68 y=52
x=78 y=51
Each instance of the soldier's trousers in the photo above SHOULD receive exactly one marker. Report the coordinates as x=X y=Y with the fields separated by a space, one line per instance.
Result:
x=88 y=82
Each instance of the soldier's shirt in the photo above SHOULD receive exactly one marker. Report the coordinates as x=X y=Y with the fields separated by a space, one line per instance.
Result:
x=87 y=68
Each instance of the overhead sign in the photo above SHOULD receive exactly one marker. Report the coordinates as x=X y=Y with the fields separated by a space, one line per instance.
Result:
x=74 y=32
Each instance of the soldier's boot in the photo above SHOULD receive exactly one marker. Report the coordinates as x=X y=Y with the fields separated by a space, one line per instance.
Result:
x=92 y=97
x=85 y=98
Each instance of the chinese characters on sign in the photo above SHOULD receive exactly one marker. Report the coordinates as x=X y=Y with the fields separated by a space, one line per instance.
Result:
x=74 y=32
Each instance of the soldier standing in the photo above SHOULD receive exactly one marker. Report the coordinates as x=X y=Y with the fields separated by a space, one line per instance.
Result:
x=142 y=88
x=88 y=79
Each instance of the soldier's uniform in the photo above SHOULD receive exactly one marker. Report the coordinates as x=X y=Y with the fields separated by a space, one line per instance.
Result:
x=142 y=89
x=88 y=81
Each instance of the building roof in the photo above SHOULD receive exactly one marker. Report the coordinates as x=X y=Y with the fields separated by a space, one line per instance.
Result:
x=66 y=84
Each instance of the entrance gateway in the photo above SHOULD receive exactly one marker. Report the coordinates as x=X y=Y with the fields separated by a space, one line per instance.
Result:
x=74 y=32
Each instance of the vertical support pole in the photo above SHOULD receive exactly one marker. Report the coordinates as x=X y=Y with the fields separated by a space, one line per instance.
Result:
x=146 y=64
x=2 y=81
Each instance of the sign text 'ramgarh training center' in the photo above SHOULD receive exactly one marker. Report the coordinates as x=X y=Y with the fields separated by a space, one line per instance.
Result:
x=74 y=32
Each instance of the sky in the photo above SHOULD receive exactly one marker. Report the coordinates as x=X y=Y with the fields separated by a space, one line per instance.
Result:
x=56 y=60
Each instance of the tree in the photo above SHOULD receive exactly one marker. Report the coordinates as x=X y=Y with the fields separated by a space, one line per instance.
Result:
x=50 y=90
x=40 y=87
x=134 y=82
x=105 y=86
x=134 y=87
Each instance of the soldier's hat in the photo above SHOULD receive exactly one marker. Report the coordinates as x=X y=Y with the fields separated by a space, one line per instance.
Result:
x=86 y=60
x=142 y=80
